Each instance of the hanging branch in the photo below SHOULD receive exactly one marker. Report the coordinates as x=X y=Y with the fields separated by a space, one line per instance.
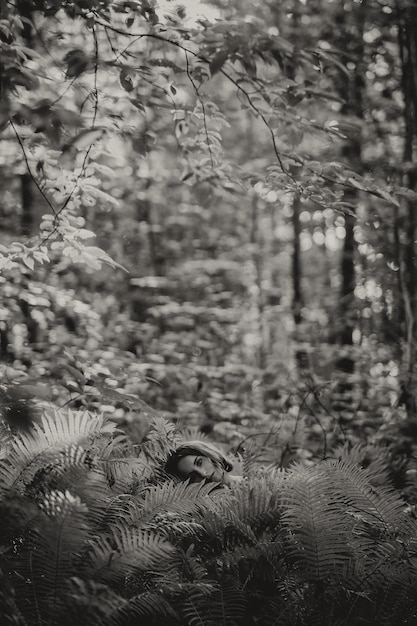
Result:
x=207 y=61
x=95 y=112
x=203 y=107
x=34 y=179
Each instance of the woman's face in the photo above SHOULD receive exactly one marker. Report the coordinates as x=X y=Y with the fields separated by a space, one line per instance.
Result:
x=198 y=467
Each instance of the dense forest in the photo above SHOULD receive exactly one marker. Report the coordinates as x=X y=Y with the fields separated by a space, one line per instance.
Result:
x=208 y=231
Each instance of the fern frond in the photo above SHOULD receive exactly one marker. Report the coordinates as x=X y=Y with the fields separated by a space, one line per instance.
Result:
x=224 y=606
x=195 y=609
x=50 y=555
x=227 y=529
x=124 y=473
x=126 y=551
x=174 y=528
x=178 y=497
x=148 y=605
x=353 y=485
x=256 y=502
x=27 y=452
x=374 y=459
x=317 y=529
x=265 y=550
x=161 y=439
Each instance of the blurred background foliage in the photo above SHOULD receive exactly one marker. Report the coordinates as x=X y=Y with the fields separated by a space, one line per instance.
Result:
x=208 y=212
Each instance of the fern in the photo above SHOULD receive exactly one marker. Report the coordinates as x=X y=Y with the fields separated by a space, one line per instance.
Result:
x=316 y=530
x=177 y=497
x=224 y=606
x=353 y=485
x=149 y=606
x=256 y=501
x=27 y=452
x=125 y=551
x=89 y=538
x=50 y=551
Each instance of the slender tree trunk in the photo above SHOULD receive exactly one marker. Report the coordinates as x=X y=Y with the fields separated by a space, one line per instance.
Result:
x=145 y=214
x=350 y=28
x=26 y=220
x=297 y=300
x=351 y=90
x=408 y=269
x=258 y=252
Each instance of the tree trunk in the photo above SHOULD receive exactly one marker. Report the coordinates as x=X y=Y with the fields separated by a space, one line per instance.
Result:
x=26 y=220
x=351 y=90
x=297 y=300
x=408 y=270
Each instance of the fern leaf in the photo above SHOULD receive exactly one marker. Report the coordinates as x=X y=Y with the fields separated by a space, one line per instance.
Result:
x=178 y=497
x=316 y=526
x=127 y=551
x=256 y=502
x=160 y=440
x=51 y=555
x=353 y=485
x=27 y=452
x=224 y=606
x=148 y=604
x=228 y=528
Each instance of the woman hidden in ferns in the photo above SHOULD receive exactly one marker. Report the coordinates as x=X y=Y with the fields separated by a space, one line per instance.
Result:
x=198 y=460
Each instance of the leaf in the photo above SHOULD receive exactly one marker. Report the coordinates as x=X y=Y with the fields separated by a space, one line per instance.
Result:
x=84 y=139
x=77 y=62
x=126 y=80
x=388 y=197
x=218 y=61
x=355 y=183
x=29 y=451
x=331 y=59
x=249 y=65
x=29 y=262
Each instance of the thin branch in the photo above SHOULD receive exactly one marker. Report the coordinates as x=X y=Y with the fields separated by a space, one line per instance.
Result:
x=22 y=147
x=95 y=76
x=203 y=107
x=87 y=153
x=222 y=71
x=45 y=47
x=68 y=87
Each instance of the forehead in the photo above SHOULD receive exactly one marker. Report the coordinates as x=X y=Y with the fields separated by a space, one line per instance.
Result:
x=186 y=463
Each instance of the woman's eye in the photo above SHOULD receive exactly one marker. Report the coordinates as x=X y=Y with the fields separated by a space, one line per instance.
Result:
x=198 y=462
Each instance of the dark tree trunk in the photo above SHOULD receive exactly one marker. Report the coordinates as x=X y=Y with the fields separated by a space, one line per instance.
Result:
x=408 y=269
x=351 y=90
x=297 y=301
x=145 y=213
x=27 y=195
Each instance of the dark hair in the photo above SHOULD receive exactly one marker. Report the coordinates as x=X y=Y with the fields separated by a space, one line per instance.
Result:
x=197 y=448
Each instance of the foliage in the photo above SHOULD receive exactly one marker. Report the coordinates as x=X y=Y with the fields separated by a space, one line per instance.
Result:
x=202 y=155
x=88 y=536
